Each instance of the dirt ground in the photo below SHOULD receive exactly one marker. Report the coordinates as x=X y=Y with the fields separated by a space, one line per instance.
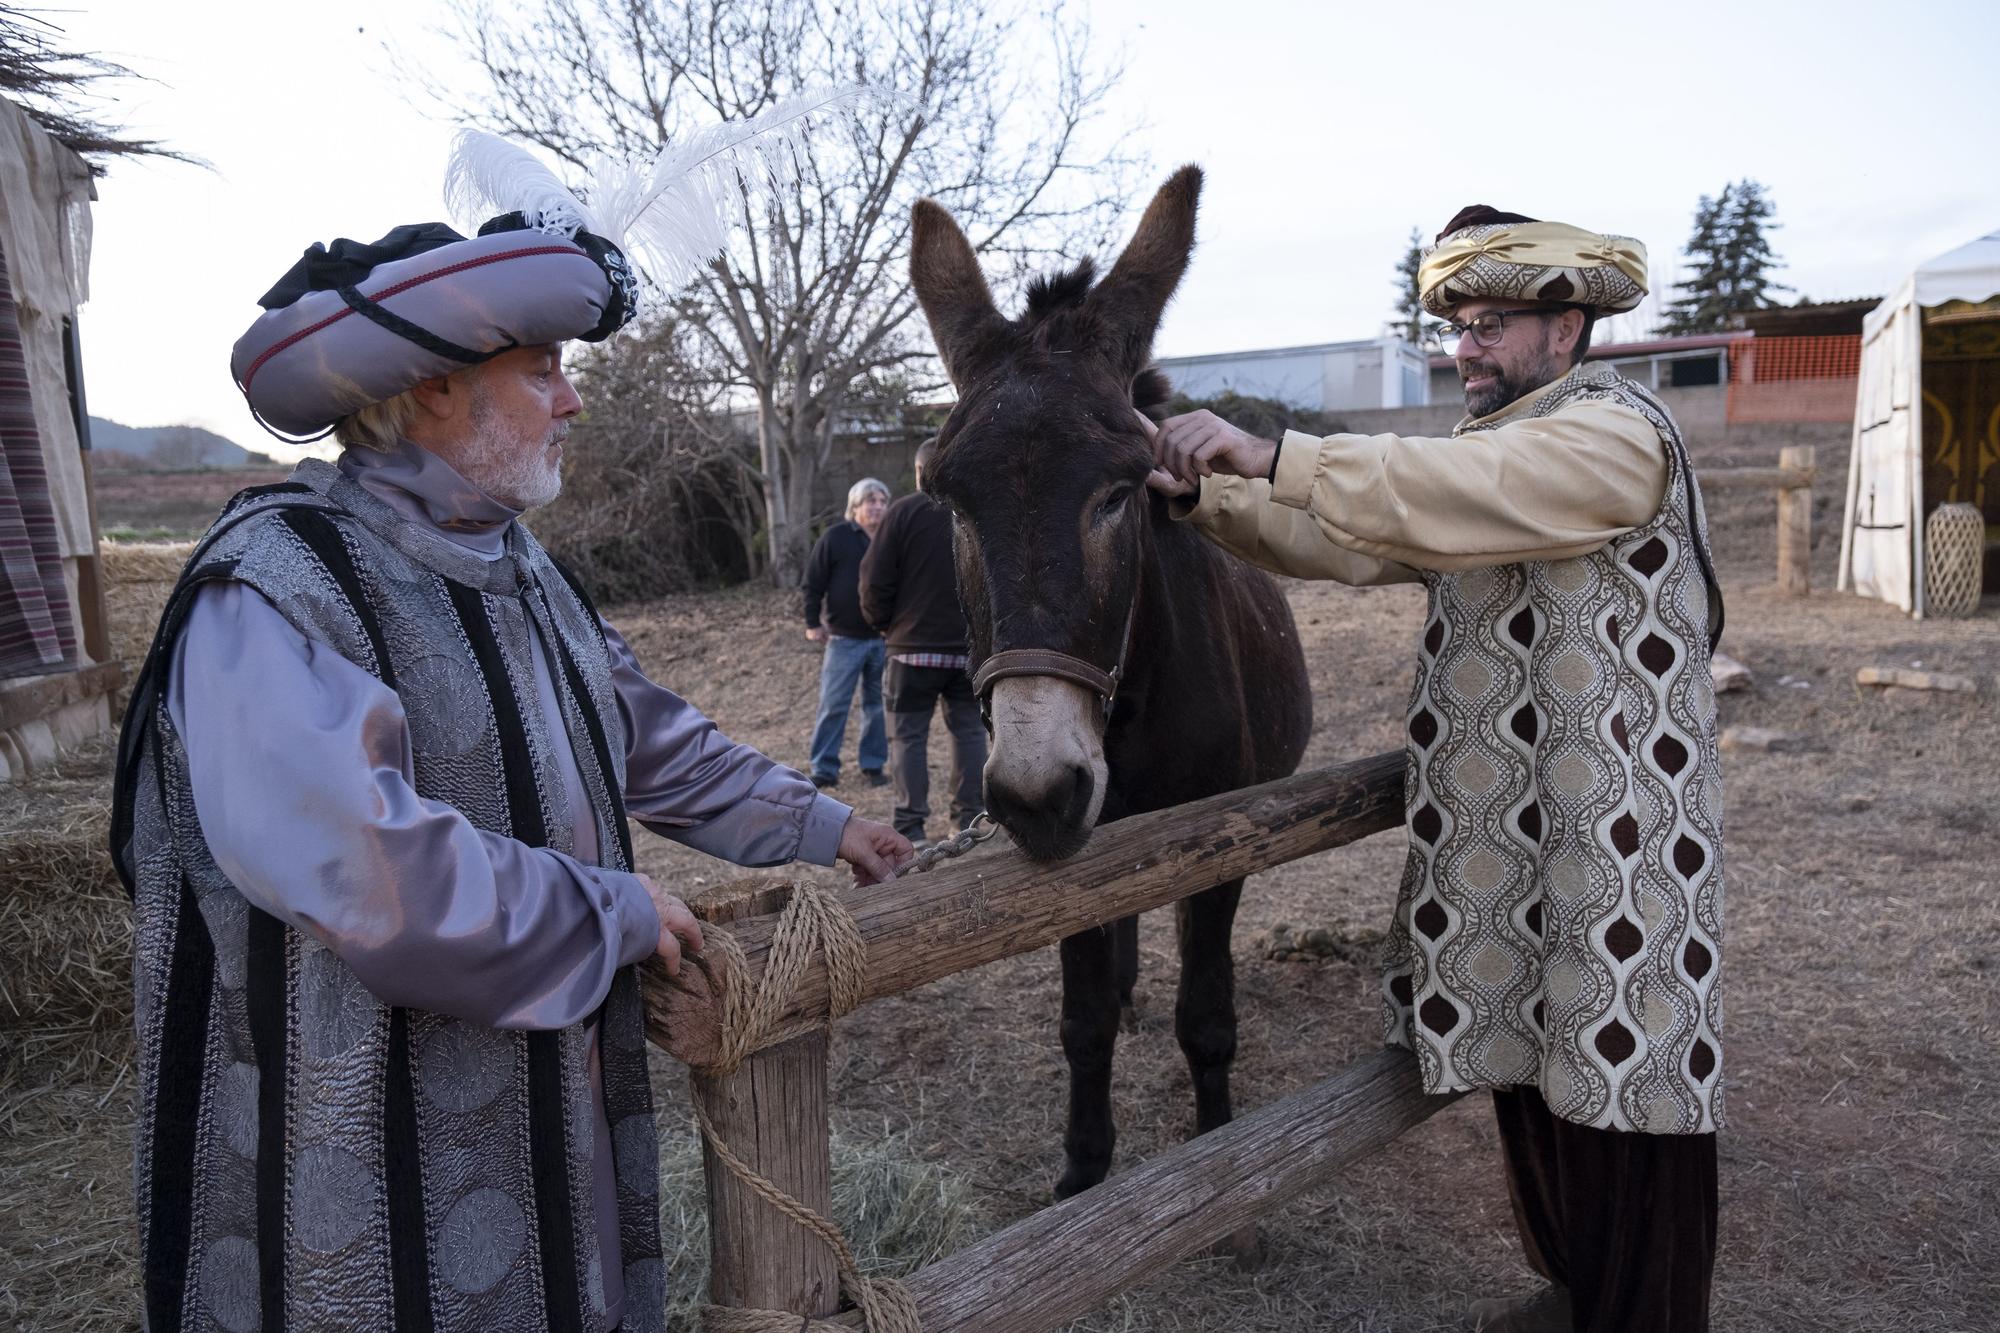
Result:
x=1860 y=1169
x=1861 y=1164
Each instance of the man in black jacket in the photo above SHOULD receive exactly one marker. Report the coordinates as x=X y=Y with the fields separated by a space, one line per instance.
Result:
x=909 y=591
x=853 y=648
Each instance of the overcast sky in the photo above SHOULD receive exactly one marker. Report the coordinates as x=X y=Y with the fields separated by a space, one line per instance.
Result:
x=1327 y=132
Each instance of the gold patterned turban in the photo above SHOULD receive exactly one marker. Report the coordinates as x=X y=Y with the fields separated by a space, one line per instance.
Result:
x=1484 y=254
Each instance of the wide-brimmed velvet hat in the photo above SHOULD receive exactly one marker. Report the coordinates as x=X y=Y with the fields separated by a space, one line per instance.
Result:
x=352 y=324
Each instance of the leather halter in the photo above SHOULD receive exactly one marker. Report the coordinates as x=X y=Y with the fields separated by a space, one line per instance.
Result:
x=1048 y=662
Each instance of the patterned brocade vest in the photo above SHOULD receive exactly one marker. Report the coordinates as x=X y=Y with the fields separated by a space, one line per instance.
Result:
x=307 y=1157
x=1560 y=917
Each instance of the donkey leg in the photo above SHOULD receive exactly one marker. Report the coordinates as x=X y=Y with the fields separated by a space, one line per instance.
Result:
x=1089 y=1033
x=1125 y=947
x=1205 y=1006
x=1205 y=1023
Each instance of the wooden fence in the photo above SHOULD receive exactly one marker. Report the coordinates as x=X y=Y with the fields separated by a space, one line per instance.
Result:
x=1792 y=479
x=1069 y=1259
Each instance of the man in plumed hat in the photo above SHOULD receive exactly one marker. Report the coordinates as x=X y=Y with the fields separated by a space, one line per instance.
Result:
x=1557 y=935
x=372 y=800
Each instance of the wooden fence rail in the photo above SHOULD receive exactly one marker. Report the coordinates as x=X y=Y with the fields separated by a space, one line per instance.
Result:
x=1792 y=479
x=1065 y=1260
x=1069 y=1259
x=997 y=904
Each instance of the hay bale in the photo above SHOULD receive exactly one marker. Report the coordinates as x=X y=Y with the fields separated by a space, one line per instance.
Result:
x=65 y=922
x=137 y=578
x=898 y=1210
x=144 y=562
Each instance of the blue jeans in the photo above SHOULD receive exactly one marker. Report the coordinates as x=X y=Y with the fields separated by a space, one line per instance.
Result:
x=848 y=661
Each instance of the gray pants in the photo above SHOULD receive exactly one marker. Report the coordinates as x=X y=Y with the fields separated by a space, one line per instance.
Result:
x=912 y=694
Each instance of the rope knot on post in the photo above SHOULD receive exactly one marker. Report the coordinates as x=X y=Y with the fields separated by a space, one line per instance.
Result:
x=814 y=920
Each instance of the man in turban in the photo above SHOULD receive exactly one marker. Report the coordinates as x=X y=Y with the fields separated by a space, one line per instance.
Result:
x=1557 y=935
x=372 y=800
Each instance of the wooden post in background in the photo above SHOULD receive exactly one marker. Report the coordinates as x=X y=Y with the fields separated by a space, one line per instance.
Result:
x=772 y=1113
x=1795 y=525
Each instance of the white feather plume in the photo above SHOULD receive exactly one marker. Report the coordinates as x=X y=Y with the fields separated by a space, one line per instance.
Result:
x=487 y=175
x=668 y=211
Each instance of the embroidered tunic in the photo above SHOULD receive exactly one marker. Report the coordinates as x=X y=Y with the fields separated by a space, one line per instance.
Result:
x=1559 y=921
x=373 y=1086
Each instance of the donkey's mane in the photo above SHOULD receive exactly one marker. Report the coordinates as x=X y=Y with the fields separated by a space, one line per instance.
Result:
x=1057 y=292
x=1059 y=316
x=1056 y=314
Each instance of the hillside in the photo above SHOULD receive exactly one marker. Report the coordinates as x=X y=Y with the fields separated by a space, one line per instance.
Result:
x=167 y=448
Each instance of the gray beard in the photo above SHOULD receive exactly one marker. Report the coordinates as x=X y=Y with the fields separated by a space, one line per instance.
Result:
x=519 y=481
x=1507 y=389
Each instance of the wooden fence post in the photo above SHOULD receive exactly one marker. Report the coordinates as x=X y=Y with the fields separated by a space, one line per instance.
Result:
x=772 y=1112
x=1795 y=525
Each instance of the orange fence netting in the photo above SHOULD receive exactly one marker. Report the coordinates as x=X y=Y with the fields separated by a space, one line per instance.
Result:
x=1794 y=379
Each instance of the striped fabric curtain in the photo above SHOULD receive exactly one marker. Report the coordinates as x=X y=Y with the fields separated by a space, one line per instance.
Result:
x=36 y=631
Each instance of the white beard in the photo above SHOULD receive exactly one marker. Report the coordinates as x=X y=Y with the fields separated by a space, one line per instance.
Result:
x=517 y=476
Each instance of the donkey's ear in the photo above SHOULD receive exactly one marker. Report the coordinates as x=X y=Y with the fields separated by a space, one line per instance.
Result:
x=1132 y=296
x=965 y=323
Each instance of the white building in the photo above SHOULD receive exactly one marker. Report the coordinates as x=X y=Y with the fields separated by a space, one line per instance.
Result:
x=1325 y=377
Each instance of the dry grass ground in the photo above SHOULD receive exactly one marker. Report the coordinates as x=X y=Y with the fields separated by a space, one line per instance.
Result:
x=1860 y=1168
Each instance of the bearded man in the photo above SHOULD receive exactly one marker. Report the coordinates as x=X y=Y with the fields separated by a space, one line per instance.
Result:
x=1557 y=936
x=372 y=801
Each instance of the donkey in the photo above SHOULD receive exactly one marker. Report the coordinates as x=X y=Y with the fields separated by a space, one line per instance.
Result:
x=1125 y=663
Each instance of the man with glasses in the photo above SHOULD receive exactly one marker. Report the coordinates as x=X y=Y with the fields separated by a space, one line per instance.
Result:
x=1557 y=935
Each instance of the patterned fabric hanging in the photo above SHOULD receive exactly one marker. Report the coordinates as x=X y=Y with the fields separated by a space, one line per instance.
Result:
x=36 y=631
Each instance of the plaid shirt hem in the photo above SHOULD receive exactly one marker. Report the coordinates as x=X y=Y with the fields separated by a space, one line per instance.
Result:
x=948 y=661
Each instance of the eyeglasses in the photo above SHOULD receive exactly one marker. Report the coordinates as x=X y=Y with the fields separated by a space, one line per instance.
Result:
x=1486 y=331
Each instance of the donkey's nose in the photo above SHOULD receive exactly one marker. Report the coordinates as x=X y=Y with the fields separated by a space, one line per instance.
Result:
x=1054 y=820
x=1045 y=774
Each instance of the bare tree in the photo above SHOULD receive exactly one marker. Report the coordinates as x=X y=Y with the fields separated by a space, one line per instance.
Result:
x=807 y=323
x=659 y=494
x=182 y=449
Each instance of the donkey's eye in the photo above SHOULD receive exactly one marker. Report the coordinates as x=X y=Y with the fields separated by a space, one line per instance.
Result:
x=1112 y=506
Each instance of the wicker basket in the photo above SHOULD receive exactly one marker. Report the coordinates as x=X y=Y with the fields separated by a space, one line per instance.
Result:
x=1954 y=556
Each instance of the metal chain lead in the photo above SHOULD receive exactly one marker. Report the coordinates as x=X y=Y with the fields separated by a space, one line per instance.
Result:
x=979 y=829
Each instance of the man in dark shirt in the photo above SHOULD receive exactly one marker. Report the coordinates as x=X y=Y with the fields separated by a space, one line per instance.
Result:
x=854 y=653
x=909 y=591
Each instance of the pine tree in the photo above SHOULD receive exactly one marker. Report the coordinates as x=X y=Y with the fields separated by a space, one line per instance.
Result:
x=1748 y=248
x=1729 y=261
x=1411 y=321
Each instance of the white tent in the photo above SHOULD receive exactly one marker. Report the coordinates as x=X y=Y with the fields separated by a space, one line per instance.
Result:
x=1882 y=540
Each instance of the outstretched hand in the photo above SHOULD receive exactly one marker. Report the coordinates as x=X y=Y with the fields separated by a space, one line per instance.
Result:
x=1200 y=444
x=874 y=851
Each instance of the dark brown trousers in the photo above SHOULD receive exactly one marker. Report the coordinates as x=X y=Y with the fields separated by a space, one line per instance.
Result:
x=1625 y=1221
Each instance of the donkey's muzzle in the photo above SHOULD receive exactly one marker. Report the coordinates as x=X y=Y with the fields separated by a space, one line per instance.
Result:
x=1045 y=773
x=1053 y=823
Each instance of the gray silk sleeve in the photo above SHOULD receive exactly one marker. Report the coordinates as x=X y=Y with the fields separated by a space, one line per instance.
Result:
x=300 y=764
x=687 y=781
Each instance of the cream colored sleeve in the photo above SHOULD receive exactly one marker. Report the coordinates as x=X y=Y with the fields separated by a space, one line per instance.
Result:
x=1238 y=516
x=1542 y=488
